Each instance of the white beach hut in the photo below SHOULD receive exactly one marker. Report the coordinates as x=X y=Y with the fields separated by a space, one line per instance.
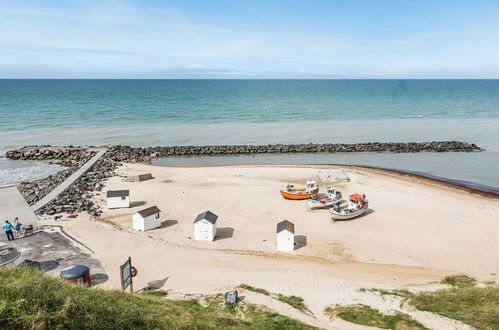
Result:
x=285 y=236
x=118 y=198
x=147 y=219
x=205 y=228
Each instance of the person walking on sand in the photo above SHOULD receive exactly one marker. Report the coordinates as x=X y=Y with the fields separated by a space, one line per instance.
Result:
x=8 y=230
x=17 y=226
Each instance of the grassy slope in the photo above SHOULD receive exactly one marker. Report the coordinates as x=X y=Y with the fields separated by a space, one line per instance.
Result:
x=365 y=315
x=478 y=307
x=30 y=299
x=293 y=301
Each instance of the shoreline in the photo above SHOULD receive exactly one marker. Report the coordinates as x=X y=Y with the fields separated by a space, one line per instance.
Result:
x=429 y=178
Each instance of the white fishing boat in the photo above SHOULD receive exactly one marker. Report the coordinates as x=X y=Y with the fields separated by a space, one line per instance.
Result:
x=325 y=201
x=356 y=206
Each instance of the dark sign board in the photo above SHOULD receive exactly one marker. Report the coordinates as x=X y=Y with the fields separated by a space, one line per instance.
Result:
x=126 y=275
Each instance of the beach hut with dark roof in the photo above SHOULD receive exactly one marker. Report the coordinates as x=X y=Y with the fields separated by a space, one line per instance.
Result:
x=118 y=199
x=147 y=219
x=285 y=236
x=205 y=226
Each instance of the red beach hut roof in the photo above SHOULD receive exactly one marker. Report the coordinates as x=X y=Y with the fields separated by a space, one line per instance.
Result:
x=355 y=197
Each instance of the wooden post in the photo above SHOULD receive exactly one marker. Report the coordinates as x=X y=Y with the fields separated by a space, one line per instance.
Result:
x=131 y=278
x=122 y=279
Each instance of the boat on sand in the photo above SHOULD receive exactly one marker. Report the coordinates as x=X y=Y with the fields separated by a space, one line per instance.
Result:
x=356 y=206
x=325 y=201
x=291 y=192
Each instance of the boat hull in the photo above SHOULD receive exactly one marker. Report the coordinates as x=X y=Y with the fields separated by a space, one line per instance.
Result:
x=314 y=204
x=342 y=216
x=295 y=195
x=323 y=201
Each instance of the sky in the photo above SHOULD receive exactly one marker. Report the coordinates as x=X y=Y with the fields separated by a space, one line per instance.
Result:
x=325 y=39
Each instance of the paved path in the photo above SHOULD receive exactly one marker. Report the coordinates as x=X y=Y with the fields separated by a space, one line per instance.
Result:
x=72 y=178
x=13 y=204
x=53 y=250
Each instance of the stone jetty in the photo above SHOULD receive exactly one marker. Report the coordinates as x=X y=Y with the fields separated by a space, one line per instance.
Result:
x=77 y=198
x=67 y=155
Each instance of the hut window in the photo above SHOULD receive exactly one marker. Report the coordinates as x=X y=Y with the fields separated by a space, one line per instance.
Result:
x=157 y=215
x=123 y=198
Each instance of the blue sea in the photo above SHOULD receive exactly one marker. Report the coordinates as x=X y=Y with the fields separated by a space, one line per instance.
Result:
x=194 y=112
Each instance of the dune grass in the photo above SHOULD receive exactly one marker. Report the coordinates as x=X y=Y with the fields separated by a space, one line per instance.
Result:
x=403 y=293
x=156 y=293
x=474 y=305
x=32 y=300
x=293 y=301
x=460 y=280
x=257 y=290
x=368 y=316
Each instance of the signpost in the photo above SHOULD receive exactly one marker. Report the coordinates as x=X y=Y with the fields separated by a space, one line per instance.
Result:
x=126 y=275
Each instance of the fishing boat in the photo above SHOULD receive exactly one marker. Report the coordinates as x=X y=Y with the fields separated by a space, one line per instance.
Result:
x=356 y=206
x=325 y=201
x=291 y=192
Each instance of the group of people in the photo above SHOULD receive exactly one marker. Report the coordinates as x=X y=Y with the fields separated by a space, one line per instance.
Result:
x=9 y=229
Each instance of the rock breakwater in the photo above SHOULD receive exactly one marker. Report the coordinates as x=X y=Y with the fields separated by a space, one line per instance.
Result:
x=126 y=153
x=78 y=197
x=33 y=191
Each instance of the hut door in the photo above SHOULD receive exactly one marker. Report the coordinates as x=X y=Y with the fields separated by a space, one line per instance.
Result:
x=205 y=228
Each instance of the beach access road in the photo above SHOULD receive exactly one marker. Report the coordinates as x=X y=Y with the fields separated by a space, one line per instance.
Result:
x=13 y=204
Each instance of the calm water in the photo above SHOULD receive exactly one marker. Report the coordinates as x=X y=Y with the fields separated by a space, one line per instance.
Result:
x=175 y=112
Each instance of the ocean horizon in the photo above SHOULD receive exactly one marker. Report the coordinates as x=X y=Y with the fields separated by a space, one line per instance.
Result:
x=150 y=112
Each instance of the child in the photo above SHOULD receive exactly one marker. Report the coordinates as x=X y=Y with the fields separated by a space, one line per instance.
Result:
x=17 y=226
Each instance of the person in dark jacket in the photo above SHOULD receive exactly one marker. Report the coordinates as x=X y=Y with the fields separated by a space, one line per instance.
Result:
x=8 y=230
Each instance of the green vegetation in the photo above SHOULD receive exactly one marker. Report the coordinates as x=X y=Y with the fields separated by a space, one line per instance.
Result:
x=478 y=307
x=365 y=315
x=31 y=299
x=158 y=293
x=257 y=290
x=459 y=280
x=293 y=301
x=383 y=292
x=465 y=302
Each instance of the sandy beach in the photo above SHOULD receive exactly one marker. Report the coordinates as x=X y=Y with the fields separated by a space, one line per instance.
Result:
x=410 y=223
x=416 y=232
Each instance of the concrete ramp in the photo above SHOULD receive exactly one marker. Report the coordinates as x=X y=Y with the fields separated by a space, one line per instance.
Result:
x=66 y=183
x=13 y=204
